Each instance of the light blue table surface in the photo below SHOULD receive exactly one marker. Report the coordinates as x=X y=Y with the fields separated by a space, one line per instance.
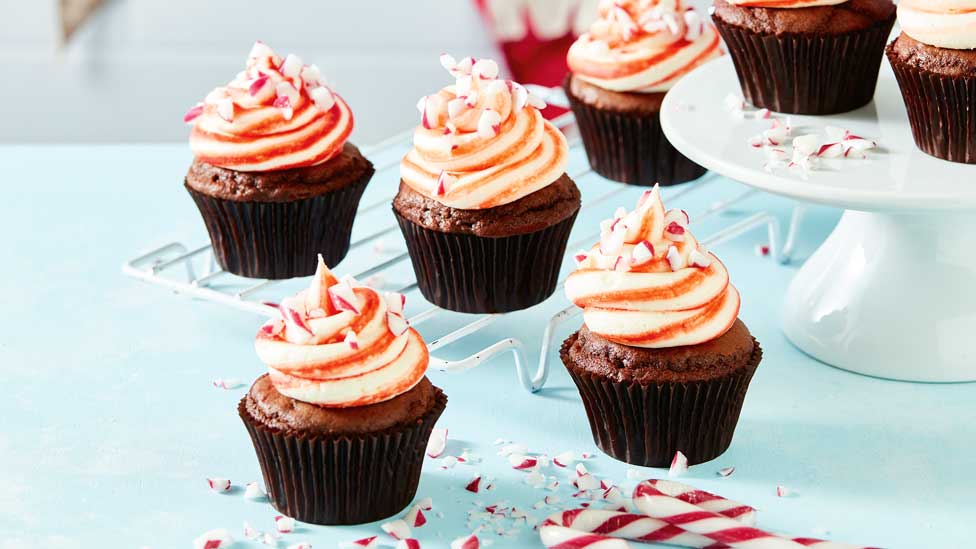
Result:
x=110 y=425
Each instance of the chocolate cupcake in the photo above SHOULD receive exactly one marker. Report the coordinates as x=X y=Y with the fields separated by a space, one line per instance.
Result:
x=485 y=204
x=341 y=421
x=620 y=71
x=662 y=362
x=806 y=56
x=934 y=60
x=273 y=176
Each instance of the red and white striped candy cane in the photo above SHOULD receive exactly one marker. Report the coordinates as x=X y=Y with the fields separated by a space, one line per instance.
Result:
x=707 y=501
x=654 y=503
x=561 y=537
x=626 y=526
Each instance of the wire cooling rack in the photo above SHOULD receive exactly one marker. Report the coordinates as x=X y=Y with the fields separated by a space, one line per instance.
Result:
x=193 y=271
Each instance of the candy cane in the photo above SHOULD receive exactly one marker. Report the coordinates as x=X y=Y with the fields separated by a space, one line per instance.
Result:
x=560 y=537
x=624 y=525
x=706 y=500
x=657 y=504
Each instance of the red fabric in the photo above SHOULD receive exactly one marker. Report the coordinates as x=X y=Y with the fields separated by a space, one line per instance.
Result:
x=532 y=60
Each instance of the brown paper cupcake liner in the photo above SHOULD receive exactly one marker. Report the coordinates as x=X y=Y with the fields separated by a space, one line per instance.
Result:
x=807 y=73
x=342 y=479
x=630 y=148
x=941 y=111
x=646 y=424
x=475 y=274
x=280 y=239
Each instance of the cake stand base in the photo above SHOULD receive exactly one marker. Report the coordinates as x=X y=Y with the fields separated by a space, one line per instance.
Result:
x=891 y=295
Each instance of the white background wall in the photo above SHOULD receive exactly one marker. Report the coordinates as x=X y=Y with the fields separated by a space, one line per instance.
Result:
x=132 y=71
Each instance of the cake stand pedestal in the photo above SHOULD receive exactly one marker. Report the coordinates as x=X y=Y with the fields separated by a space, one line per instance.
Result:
x=892 y=291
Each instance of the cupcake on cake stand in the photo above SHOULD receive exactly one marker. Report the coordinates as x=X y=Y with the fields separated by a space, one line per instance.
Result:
x=892 y=292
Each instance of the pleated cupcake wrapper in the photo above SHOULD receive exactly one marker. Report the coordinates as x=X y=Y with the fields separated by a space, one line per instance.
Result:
x=941 y=111
x=342 y=479
x=646 y=424
x=630 y=148
x=280 y=239
x=475 y=274
x=807 y=73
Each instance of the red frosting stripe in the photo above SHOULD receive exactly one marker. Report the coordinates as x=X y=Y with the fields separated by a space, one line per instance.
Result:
x=277 y=114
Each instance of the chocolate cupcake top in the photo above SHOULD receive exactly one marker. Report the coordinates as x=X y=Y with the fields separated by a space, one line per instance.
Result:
x=804 y=16
x=643 y=45
x=340 y=344
x=940 y=23
x=482 y=141
x=648 y=283
x=275 y=115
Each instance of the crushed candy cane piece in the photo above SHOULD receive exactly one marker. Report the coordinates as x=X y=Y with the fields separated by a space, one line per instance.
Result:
x=448 y=462
x=219 y=484
x=250 y=532
x=522 y=462
x=581 y=470
x=725 y=472
x=513 y=449
x=466 y=542
x=679 y=465
x=565 y=458
x=213 y=539
x=674 y=259
x=587 y=482
x=425 y=503
x=369 y=543
x=535 y=479
x=397 y=324
x=398 y=529
x=474 y=485
x=269 y=539
x=351 y=340
x=698 y=259
x=253 y=490
x=783 y=491
x=415 y=517
x=408 y=543
x=229 y=383
x=300 y=545
x=437 y=443
x=284 y=524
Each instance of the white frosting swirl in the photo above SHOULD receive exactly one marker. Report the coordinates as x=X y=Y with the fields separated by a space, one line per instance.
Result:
x=648 y=283
x=940 y=23
x=643 y=45
x=339 y=344
x=482 y=142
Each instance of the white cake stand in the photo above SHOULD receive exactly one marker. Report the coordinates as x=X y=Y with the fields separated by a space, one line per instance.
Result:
x=892 y=292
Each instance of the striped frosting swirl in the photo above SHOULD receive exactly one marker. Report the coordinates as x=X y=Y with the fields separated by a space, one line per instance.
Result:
x=276 y=114
x=648 y=283
x=339 y=344
x=482 y=142
x=643 y=45
x=940 y=23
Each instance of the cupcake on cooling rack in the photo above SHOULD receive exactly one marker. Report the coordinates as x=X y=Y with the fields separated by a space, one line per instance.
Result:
x=619 y=72
x=806 y=56
x=934 y=60
x=341 y=421
x=485 y=204
x=662 y=362
x=273 y=175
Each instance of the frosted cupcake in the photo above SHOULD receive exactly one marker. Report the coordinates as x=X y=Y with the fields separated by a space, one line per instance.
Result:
x=485 y=204
x=934 y=60
x=273 y=175
x=619 y=73
x=342 y=418
x=806 y=56
x=662 y=361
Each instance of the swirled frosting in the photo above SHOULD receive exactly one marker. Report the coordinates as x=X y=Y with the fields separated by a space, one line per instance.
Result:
x=940 y=23
x=482 y=142
x=340 y=344
x=648 y=283
x=276 y=114
x=784 y=3
x=643 y=45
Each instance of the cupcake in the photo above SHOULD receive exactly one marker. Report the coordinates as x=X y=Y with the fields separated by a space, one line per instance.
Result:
x=273 y=176
x=806 y=56
x=934 y=60
x=619 y=73
x=485 y=204
x=662 y=362
x=341 y=420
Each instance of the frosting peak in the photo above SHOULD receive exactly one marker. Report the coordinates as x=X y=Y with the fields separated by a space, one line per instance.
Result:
x=482 y=141
x=940 y=23
x=643 y=45
x=276 y=114
x=648 y=283
x=340 y=344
